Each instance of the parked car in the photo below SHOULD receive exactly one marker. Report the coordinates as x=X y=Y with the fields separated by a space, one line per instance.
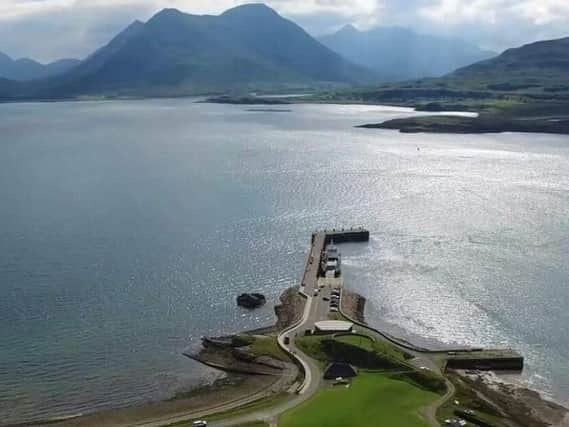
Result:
x=199 y=423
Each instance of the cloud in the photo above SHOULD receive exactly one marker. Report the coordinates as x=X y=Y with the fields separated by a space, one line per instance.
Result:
x=498 y=24
x=50 y=29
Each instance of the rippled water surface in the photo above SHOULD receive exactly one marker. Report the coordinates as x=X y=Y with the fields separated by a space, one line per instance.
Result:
x=127 y=229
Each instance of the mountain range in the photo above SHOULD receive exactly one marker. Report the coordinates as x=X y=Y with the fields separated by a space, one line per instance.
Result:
x=174 y=53
x=27 y=69
x=251 y=47
x=396 y=53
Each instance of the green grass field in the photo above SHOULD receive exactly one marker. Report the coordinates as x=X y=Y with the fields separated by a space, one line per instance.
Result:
x=358 y=341
x=359 y=350
x=371 y=400
x=254 y=424
x=268 y=346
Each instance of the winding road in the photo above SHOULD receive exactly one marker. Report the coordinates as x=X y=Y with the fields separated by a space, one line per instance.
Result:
x=315 y=309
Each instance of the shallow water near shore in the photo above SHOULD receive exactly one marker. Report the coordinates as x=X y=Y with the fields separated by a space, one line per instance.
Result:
x=127 y=229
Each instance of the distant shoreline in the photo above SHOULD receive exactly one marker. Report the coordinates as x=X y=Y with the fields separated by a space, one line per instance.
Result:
x=473 y=125
x=485 y=123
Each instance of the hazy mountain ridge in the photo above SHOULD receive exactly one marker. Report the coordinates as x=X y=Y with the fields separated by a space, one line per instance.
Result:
x=176 y=53
x=25 y=69
x=251 y=47
x=397 y=53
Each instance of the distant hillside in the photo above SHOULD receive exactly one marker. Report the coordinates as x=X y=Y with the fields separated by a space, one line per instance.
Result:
x=532 y=79
x=537 y=67
x=247 y=47
x=27 y=69
x=400 y=54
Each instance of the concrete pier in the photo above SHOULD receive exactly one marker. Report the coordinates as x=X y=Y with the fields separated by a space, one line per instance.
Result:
x=318 y=290
x=486 y=360
x=343 y=235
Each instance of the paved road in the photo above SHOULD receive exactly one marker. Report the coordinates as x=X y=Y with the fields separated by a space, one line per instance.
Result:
x=315 y=309
x=430 y=411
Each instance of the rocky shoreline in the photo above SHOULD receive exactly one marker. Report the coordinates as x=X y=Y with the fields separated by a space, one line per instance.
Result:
x=525 y=407
x=255 y=352
x=353 y=305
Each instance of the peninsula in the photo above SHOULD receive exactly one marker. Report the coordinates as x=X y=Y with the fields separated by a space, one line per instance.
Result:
x=469 y=125
x=321 y=361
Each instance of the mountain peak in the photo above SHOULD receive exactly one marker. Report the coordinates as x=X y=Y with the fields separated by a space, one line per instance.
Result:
x=169 y=11
x=165 y=15
x=24 y=69
x=348 y=29
x=247 y=47
x=250 y=10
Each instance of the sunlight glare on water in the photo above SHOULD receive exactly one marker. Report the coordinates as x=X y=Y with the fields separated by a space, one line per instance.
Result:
x=128 y=228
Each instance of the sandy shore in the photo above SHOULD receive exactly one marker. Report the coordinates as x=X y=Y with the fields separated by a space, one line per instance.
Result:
x=226 y=390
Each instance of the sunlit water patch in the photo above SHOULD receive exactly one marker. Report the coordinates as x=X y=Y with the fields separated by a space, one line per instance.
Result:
x=128 y=228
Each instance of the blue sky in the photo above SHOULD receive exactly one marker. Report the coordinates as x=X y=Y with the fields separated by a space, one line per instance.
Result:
x=51 y=29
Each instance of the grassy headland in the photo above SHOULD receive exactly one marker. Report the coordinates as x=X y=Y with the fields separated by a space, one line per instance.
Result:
x=366 y=353
x=369 y=398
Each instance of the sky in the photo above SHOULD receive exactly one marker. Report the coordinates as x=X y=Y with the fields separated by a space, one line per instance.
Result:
x=51 y=29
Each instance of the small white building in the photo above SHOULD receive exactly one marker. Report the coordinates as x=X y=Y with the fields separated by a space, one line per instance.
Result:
x=333 y=326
